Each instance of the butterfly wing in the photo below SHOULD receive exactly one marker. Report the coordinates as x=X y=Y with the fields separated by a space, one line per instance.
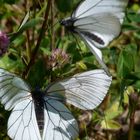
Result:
x=99 y=19
x=22 y=123
x=97 y=31
x=90 y=7
x=97 y=53
x=15 y=95
x=12 y=89
x=100 y=28
x=85 y=90
x=60 y=124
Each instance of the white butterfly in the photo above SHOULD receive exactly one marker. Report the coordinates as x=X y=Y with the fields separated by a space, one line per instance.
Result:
x=38 y=115
x=97 y=22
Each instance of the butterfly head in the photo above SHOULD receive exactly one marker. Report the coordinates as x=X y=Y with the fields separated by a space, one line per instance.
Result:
x=37 y=94
x=67 y=22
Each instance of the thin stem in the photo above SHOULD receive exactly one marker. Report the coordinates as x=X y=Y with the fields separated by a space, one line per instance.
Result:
x=52 y=26
x=28 y=46
x=133 y=101
x=34 y=15
x=28 y=43
x=32 y=60
x=131 y=126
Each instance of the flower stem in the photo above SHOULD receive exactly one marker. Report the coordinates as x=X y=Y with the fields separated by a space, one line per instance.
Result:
x=43 y=28
x=52 y=26
x=131 y=126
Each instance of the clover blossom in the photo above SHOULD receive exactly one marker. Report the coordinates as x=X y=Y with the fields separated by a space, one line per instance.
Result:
x=4 y=42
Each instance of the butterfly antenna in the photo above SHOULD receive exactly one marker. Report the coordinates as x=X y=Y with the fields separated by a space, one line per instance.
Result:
x=50 y=27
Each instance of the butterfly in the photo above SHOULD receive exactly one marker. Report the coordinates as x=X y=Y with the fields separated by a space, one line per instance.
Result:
x=42 y=115
x=97 y=22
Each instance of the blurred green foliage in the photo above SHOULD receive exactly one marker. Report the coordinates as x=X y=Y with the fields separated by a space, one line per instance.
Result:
x=8 y=1
x=22 y=21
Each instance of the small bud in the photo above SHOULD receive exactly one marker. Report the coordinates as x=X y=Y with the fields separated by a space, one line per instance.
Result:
x=4 y=42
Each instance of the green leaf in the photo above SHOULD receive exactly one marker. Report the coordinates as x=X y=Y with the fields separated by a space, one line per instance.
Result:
x=134 y=17
x=115 y=110
x=125 y=64
x=25 y=19
x=110 y=124
x=131 y=48
x=73 y=50
x=137 y=85
x=81 y=65
x=8 y=1
x=11 y=64
x=134 y=76
x=30 y=24
x=44 y=46
x=37 y=74
x=64 y=5
x=111 y=113
x=19 y=40
x=130 y=27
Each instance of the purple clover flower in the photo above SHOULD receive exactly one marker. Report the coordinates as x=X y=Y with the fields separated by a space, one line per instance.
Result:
x=4 y=42
x=57 y=59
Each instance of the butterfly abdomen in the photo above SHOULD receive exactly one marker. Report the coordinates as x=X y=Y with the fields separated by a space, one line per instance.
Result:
x=39 y=109
x=40 y=117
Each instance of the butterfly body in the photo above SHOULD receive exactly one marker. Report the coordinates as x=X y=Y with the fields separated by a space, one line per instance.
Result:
x=39 y=102
x=68 y=23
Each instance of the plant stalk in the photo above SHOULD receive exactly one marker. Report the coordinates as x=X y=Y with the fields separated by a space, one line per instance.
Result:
x=43 y=28
x=131 y=126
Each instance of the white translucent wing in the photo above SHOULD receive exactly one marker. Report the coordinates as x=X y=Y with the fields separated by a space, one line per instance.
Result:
x=22 y=123
x=103 y=28
x=59 y=122
x=97 y=53
x=99 y=20
x=15 y=95
x=85 y=90
x=12 y=89
x=91 y=7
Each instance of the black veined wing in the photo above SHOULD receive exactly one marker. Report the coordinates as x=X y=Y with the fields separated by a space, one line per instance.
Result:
x=34 y=116
x=97 y=22
x=85 y=91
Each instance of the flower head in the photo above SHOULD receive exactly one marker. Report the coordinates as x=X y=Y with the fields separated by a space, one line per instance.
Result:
x=4 y=42
x=57 y=59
